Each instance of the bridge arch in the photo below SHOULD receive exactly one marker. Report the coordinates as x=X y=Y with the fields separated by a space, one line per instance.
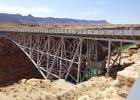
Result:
x=57 y=56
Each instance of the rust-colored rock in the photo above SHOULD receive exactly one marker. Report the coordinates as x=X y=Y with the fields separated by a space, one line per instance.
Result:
x=122 y=80
x=14 y=65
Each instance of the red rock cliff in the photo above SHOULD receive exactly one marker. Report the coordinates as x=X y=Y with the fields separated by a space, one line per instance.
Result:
x=14 y=65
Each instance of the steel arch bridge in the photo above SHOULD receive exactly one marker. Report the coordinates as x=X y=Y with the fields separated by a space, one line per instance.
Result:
x=68 y=53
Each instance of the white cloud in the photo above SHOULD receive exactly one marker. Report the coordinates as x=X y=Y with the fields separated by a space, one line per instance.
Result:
x=35 y=11
x=101 y=2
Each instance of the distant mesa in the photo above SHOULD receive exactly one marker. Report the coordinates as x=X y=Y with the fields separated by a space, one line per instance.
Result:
x=17 y=18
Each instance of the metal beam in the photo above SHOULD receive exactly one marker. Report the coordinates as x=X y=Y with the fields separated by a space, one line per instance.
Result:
x=79 y=65
x=109 y=56
x=75 y=54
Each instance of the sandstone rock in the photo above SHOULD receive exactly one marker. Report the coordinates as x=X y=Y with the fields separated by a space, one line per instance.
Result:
x=129 y=75
x=23 y=81
x=122 y=80
x=62 y=83
x=131 y=72
x=85 y=98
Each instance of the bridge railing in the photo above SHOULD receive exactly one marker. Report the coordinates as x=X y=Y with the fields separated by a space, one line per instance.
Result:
x=77 y=31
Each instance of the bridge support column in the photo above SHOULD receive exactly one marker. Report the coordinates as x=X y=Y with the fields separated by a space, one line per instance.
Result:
x=79 y=62
x=109 y=56
x=121 y=44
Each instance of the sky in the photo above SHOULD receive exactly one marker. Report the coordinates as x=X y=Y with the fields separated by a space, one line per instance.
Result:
x=114 y=11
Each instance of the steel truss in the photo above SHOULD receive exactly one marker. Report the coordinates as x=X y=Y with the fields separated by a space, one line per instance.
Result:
x=54 y=57
x=58 y=57
x=114 y=59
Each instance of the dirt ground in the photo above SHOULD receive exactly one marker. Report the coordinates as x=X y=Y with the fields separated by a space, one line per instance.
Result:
x=97 y=88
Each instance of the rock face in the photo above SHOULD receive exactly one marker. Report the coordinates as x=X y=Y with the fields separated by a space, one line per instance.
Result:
x=131 y=73
x=14 y=65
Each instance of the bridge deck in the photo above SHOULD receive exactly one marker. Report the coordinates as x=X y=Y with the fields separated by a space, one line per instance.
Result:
x=124 y=35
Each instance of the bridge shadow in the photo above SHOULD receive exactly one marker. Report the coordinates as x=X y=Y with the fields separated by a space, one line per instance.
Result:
x=114 y=69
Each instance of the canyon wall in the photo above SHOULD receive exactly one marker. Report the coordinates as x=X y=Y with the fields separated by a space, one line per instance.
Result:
x=14 y=65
